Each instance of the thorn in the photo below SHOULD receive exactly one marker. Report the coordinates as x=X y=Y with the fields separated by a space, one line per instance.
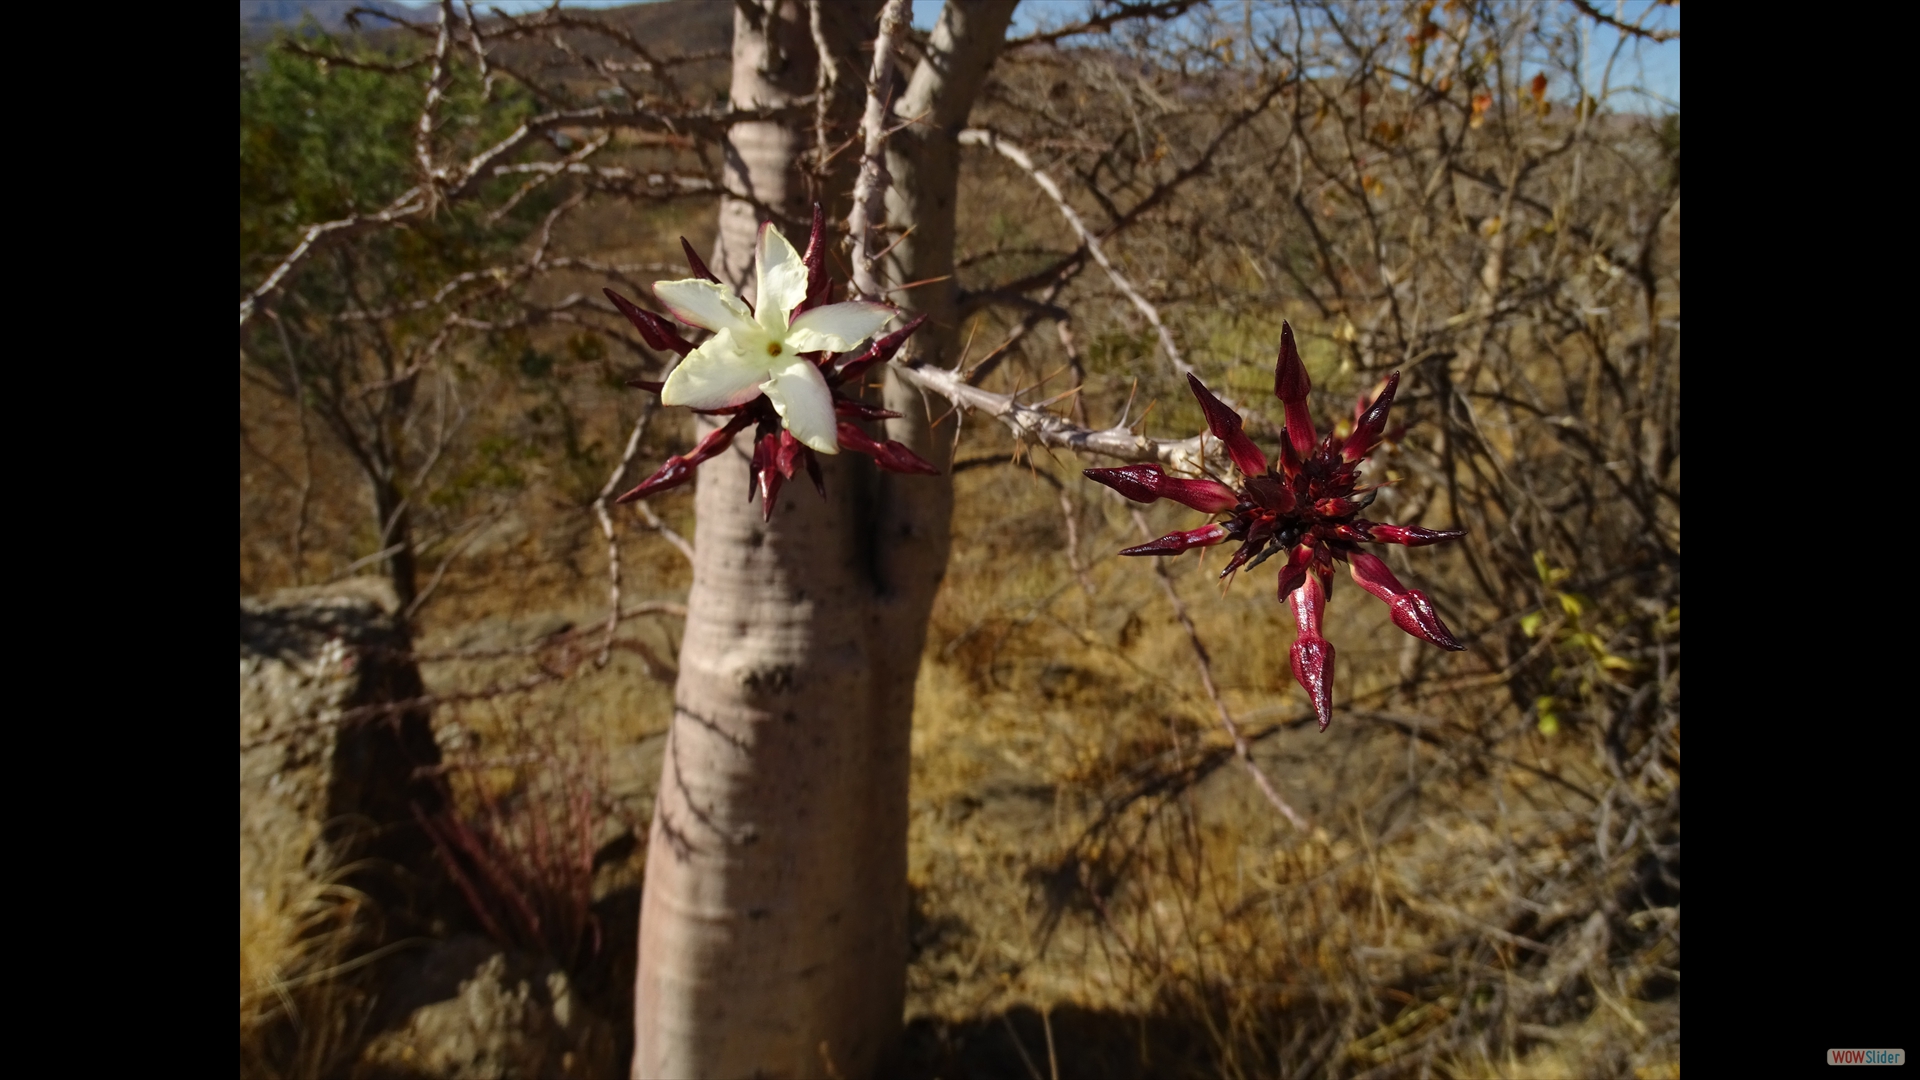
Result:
x=1122 y=422
x=1043 y=382
x=888 y=250
x=1057 y=397
x=1149 y=412
x=914 y=284
x=968 y=350
x=905 y=124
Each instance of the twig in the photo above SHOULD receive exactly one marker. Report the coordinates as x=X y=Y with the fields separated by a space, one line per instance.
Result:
x=1073 y=543
x=1598 y=16
x=607 y=530
x=992 y=141
x=1104 y=22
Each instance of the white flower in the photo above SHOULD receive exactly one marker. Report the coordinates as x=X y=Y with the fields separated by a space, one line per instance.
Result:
x=759 y=352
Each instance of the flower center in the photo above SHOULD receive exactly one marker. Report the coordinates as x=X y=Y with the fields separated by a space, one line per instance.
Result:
x=773 y=348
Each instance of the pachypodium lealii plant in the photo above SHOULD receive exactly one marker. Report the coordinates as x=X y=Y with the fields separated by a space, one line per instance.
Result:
x=772 y=369
x=1306 y=505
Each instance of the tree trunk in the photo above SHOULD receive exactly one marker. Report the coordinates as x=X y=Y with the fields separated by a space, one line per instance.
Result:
x=396 y=531
x=773 y=922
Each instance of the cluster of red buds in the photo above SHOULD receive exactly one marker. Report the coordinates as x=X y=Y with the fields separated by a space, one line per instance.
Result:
x=1305 y=505
x=777 y=454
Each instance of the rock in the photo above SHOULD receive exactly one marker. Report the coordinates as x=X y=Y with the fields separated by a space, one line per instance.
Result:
x=469 y=1009
x=322 y=782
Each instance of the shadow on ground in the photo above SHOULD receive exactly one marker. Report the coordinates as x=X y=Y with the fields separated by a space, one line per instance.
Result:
x=1085 y=1043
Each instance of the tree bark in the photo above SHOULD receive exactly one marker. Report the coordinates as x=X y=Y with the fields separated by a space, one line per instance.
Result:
x=773 y=921
x=395 y=526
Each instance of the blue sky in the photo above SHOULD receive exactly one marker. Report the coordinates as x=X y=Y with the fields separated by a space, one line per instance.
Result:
x=1656 y=67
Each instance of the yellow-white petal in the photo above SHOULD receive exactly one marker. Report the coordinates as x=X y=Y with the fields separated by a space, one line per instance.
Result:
x=717 y=375
x=800 y=393
x=837 y=327
x=702 y=303
x=782 y=280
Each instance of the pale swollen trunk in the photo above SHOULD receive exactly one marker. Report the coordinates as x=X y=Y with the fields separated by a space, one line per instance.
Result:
x=773 y=923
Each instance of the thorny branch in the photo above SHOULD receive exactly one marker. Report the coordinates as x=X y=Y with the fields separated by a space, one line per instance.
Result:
x=870 y=187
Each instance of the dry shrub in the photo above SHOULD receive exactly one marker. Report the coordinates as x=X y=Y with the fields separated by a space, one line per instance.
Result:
x=518 y=840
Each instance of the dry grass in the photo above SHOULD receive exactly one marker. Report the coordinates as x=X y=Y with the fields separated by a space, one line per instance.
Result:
x=1081 y=846
x=304 y=957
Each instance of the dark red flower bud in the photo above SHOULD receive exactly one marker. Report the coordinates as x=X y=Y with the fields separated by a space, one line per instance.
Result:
x=788 y=454
x=1290 y=385
x=813 y=472
x=1412 y=611
x=1226 y=426
x=1257 y=536
x=693 y=262
x=860 y=410
x=1272 y=494
x=651 y=386
x=1175 y=542
x=879 y=352
x=899 y=458
x=1373 y=575
x=1294 y=574
x=818 y=284
x=658 y=332
x=1373 y=421
x=889 y=455
x=1312 y=655
x=1290 y=462
x=679 y=468
x=1146 y=482
x=763 y=473
x=1409 y=535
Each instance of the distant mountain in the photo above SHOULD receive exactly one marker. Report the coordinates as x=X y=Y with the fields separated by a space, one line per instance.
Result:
x=266 y=16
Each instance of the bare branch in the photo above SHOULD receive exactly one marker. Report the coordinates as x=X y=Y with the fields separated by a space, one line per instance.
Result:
x=870 y=188
x=981 y=137
x=607 y=530
x=1107 y=20
x=1598 y=16
x=436 y=89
